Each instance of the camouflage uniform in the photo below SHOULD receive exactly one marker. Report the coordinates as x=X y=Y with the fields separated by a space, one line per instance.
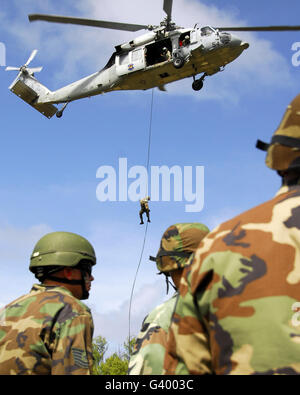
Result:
x=149 y=352
x=235 y=310
x=47 y=331
x=144 y=209
x=178 y=243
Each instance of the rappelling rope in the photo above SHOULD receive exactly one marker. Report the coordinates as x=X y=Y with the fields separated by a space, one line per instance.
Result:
x=145 y=235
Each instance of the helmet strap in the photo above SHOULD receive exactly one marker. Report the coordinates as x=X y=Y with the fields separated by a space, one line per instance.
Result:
x=85 y=293
x=64 y=280
x=168 y=282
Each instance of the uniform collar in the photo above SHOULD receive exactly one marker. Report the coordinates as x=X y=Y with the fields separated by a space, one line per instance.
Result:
x=45 y=288
x=286 y=188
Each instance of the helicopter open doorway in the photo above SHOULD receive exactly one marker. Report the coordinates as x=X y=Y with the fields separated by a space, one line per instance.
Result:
x=154 y=52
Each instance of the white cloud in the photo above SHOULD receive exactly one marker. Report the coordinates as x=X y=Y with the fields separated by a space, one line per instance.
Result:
x=16 y=245
x=114 y=324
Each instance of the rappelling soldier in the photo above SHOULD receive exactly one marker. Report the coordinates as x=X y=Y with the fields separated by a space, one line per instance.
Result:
x=49 y=331
x=144 y=209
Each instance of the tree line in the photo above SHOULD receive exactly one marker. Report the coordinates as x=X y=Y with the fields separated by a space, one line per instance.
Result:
x=115 y=364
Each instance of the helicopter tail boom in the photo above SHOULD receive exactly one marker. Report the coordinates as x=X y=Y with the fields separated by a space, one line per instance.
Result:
x=29 y=89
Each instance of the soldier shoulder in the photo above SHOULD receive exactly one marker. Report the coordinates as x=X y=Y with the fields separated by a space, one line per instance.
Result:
x=52 y=301
x=161 y=314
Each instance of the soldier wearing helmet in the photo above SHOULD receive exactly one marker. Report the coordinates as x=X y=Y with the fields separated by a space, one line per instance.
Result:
x=49 y=330
x=236 y=310
x=177 y=245
x=165 y=54
x=283 y=152
x=144 y=209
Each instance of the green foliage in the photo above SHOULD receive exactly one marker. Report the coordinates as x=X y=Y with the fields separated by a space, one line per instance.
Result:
x=117 y=363
x=99 y=349
x=114 y=365
x=129 y=347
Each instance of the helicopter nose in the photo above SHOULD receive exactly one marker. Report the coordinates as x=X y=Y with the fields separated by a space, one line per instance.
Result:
x=237 y=42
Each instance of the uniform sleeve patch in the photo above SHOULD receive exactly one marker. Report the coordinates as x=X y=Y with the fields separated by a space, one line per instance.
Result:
x=80 y=358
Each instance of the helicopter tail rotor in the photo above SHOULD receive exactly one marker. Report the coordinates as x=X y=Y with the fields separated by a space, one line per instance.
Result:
x=25 y=69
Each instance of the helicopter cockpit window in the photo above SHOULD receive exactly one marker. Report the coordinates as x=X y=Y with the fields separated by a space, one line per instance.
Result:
x=206 y=31
x=137 y=55
x=185 y=39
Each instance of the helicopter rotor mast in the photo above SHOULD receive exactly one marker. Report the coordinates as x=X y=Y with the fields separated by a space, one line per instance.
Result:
x=167 y=7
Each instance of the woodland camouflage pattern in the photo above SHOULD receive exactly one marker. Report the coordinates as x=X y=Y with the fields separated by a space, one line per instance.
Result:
x=47 y=331
x=177 y=239
x=245 y=278
x=283 y=152
x=149 y=352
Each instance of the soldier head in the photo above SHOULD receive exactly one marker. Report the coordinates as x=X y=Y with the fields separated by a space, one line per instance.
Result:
x=283 y=152
x=67 y=258
x=177 y=245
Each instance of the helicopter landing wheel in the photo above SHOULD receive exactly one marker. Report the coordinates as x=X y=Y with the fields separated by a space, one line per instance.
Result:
x=178 y=62
x=60 y=112
x=197 y=85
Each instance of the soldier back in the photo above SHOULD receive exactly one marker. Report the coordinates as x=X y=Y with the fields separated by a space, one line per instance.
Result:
x=47 y=331
x=244 y=278
x=178 y=243
x=149 y=352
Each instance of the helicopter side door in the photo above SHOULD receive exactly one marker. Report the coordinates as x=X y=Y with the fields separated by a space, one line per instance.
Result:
x=131 y=61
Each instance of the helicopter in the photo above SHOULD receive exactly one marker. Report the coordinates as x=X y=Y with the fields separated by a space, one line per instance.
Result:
x=166 y=53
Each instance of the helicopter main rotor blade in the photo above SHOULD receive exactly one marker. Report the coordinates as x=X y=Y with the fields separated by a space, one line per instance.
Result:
x=168 y=8
x=87 y=22
x=259 y=28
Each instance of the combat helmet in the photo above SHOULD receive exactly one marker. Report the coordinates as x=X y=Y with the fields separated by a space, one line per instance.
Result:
x=177 y=244
x=283 y=152
x=57 y=250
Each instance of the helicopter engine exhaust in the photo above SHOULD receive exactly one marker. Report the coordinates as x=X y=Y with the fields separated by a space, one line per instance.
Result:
x=144 y=39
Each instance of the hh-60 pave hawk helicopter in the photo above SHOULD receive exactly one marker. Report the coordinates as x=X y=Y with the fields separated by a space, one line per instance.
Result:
x=165 y=54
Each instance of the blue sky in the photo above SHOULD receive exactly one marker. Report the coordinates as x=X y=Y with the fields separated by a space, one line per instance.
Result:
x=48 y=167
